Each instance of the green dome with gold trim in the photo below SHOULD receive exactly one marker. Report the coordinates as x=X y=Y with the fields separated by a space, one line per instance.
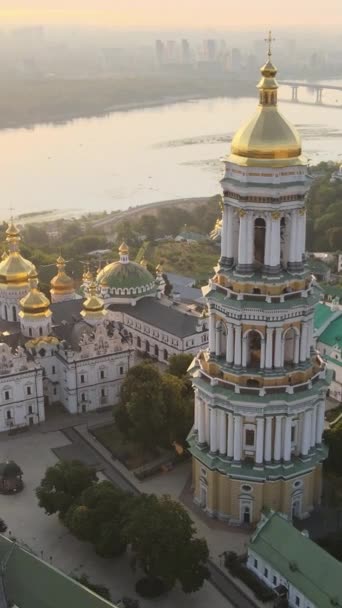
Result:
x=126 y=278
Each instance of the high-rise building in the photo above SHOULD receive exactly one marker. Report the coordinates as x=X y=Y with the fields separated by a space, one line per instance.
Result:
x=260 y=386
x=160 y=52
x=186 y=54
x=210 y=47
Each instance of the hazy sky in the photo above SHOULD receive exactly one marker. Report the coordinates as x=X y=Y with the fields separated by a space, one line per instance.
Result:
x=149 y=14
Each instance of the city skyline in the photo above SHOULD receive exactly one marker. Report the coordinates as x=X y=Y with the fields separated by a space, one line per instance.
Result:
x=152 y=14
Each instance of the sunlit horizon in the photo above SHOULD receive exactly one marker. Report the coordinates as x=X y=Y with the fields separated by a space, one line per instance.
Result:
x=153 y=14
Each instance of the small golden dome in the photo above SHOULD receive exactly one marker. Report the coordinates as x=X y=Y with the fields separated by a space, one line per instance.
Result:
x=61 y=283
x=123 y=249
x=93 y=303
x=35 y=302
x=12 y=230
x=14 y=269
x=267 y=138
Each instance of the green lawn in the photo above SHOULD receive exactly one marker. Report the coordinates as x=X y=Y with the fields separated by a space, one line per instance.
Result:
x=195 y=259
x=129 y=453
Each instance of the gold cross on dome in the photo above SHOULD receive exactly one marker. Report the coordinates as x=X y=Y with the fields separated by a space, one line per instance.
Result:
x=269 y=41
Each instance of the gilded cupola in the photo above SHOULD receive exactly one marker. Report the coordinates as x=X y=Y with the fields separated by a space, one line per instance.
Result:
x=267 y=138
x=35 y=302
x=93 y=307
x=61 y=285
x=14 y=269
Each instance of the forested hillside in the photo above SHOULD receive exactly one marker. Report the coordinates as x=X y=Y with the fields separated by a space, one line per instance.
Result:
x=324 y=205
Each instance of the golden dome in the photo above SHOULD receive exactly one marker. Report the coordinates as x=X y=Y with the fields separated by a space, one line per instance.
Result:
x=123 y=249
x=14 y=269
x=35 y=302
x=12 y=230
x=267 y=138
x=93 y=306
x=61 y=283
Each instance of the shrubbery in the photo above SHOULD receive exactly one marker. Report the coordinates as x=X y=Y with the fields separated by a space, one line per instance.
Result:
x=237 y=567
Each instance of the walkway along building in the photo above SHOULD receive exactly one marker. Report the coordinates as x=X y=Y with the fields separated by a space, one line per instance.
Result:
x=260 y=386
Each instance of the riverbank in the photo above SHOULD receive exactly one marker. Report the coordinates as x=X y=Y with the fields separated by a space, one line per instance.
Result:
x=28 y=103
x=106 y=219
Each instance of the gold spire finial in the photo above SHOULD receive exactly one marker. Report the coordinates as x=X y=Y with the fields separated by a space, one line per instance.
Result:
x=269 y=41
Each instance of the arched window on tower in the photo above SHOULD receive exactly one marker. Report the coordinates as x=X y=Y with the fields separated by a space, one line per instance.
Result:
x=5 y=313
x=291 y=346
x=259 y=241
x=253 y=349
x=14 y=313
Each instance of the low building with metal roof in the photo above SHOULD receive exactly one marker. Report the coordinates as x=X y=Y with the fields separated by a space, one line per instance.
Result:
x=288 y=561
x=26 y=581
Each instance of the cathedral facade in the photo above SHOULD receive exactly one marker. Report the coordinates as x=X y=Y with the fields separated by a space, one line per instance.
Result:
x=76 y=350
x=260 y=386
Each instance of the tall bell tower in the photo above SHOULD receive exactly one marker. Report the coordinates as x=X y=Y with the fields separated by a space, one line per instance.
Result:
x=260 y=387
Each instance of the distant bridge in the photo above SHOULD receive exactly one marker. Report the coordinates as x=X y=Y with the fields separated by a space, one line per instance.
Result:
x=317 y=87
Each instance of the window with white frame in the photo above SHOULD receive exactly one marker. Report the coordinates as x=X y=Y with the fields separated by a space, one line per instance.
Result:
x=249 y=437
x=7 y=394
x=28 y=390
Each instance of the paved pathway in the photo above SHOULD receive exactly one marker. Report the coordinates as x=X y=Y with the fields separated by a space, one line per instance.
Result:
x=85 y=445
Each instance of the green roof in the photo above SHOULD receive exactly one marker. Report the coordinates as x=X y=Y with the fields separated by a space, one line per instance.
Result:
x=302 y=562
x=322 y=315
x=332 y=335
x=131 y=275
x=29 y=582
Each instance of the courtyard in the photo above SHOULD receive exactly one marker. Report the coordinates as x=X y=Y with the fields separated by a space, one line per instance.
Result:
x=49 y=539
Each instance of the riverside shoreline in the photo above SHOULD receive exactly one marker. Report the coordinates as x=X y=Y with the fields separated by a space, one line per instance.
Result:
x=110 y=218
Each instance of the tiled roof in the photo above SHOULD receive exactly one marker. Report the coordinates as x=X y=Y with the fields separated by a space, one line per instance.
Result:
x=309 y=568
x=29 y=582
x=322 y=315
x=332 y=335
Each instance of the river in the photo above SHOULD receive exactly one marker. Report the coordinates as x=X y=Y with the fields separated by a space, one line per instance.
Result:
x=140 y=156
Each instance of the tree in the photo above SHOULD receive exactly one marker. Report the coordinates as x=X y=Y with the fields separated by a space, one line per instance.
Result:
x=179 y=364
x=62 y=484
x=97 y=517
x=3 y=526
x=179 y=409
x=333 y=438
x=156 y=409
x=161 y=534
x=142 y=396
x=148 y=225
